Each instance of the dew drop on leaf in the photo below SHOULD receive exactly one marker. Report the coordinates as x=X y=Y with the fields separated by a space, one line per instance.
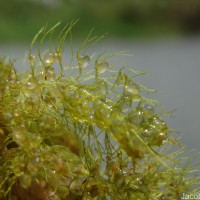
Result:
x=100 y=88
x=132 y=88
x=158 y=139
x=147 y=108
x=30 y=85
x=57 y=56
x=16 y=113
x=101 y=66
x=159 y=123
x=139 y=180
x=83 y=61
x=103 y=88
x=18 y=137
x=37 y=159
x=125 y=105
x=50 y=59
x=137 y=118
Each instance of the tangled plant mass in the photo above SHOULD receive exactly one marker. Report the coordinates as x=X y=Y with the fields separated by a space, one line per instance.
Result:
x=85 y=131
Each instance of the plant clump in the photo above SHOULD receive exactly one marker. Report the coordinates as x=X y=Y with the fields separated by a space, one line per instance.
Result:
x=85 y=131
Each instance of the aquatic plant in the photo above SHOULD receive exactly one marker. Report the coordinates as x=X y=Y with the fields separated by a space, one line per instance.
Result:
x=84 y=129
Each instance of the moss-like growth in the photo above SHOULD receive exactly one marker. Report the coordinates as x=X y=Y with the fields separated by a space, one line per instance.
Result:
x=85 y=131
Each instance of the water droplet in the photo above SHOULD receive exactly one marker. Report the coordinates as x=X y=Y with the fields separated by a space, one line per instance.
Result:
x=42 y=73
x=147 y=108
x=100 y=89
x=34 y=97
x=18 y=136
x=50 y=59
x=159 y=123
x=32 y=59
x=158 y=139
x=57 y=56
x=16 y=113
x=162 y=134
x=47 y=74
x=139 y=180
x=103 y=88
x=149 y=133
x=83 y=61
x=132 y=88
x=30 y=85
x=125 y=105
x=146 y=132
x=136 y=118
x=101 y=66
x=37 y=159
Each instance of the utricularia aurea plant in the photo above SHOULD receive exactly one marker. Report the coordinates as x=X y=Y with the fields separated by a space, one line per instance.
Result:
x=80 y=129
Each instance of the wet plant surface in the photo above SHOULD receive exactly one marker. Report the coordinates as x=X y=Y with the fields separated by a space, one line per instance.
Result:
x=85 y=131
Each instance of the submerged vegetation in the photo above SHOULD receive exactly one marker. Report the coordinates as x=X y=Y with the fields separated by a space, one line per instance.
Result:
x=84 y=129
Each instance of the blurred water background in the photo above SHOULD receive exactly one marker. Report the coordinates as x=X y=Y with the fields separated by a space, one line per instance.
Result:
x=163 y=36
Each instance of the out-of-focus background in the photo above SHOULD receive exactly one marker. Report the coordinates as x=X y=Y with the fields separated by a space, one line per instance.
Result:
x=163 y=36
x=21 y=19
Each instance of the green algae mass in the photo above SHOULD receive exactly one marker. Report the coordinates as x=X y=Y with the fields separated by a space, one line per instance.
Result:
x=85 y=131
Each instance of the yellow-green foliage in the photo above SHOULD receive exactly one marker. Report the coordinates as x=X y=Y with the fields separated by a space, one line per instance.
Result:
x=85 y=131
